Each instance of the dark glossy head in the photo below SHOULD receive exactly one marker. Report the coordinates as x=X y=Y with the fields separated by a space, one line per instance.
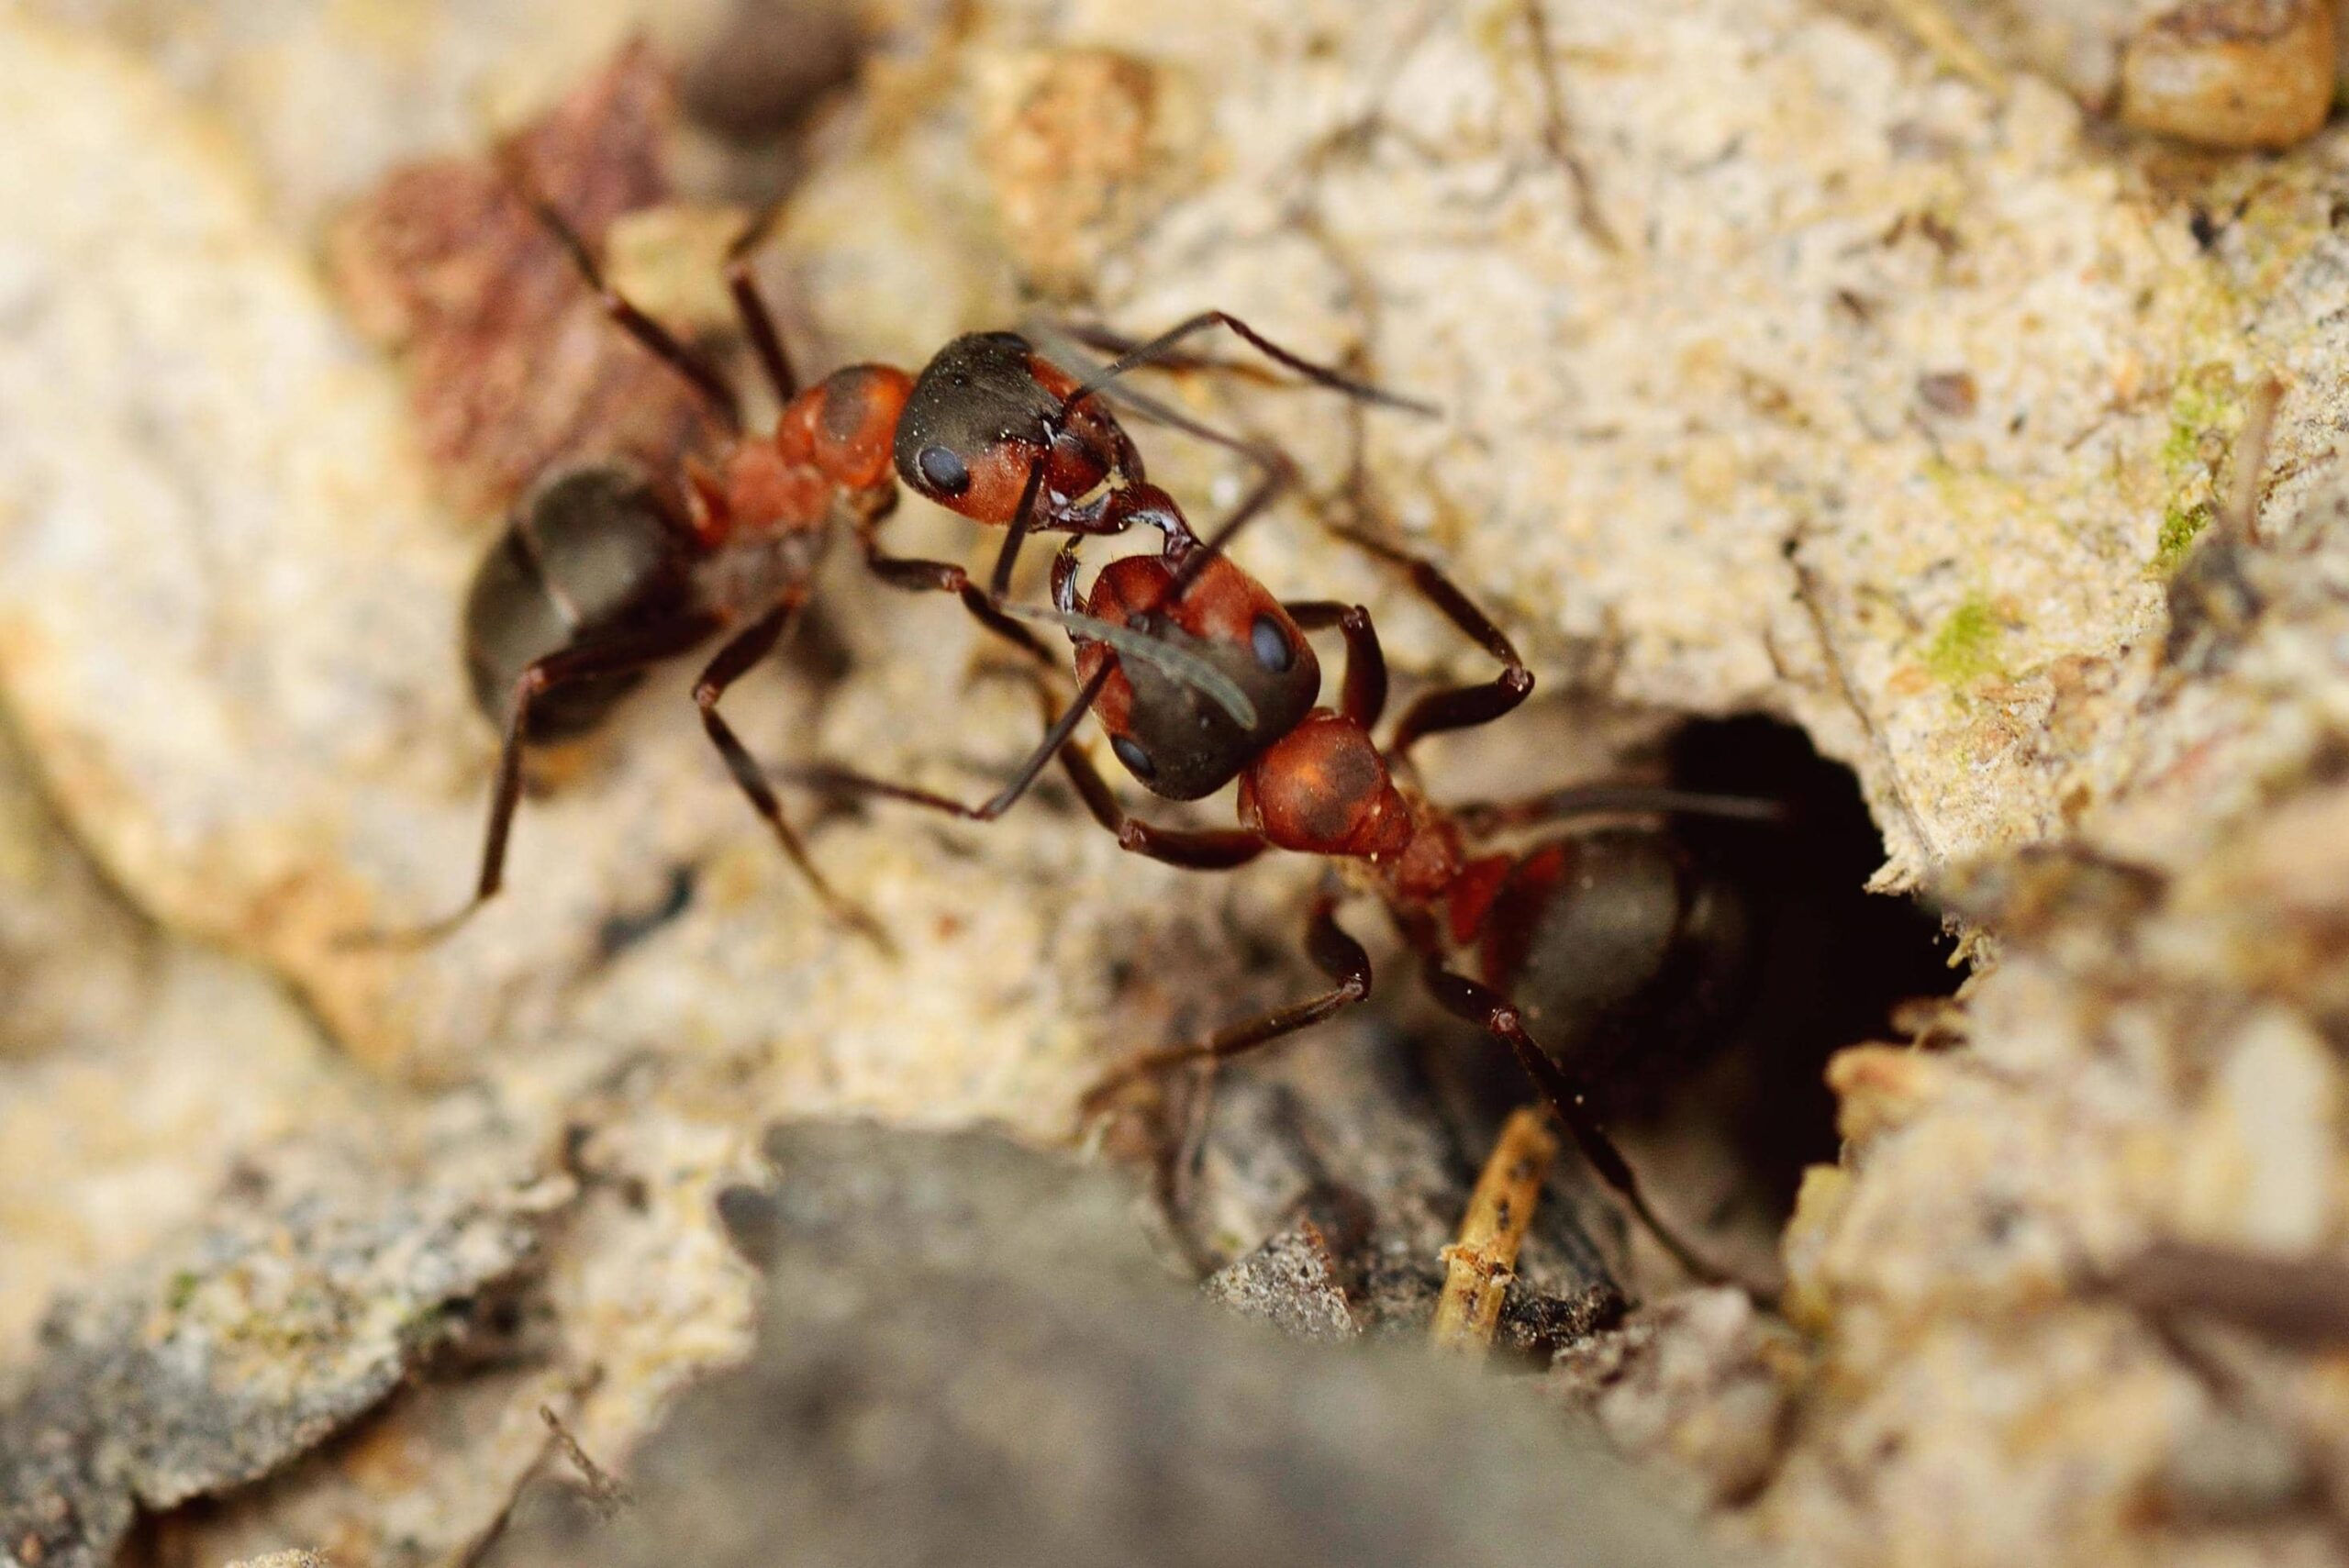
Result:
x=983 y=412
x=1178 y=740
x=590 y=550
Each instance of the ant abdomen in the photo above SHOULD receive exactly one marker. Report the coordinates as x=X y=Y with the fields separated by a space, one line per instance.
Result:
x=1621 y=943
x=590 y=552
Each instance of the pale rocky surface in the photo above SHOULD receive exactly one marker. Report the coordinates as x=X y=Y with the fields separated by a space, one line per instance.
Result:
x=2214 y=73
x=141 y=1064
x=1781 y=369
x=2155 y=1057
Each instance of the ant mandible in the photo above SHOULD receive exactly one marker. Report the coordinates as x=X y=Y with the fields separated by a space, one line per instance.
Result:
x=606 y=571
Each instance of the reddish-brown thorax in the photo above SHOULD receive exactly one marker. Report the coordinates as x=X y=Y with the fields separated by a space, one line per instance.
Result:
x=1325 y=789
x=833 y=437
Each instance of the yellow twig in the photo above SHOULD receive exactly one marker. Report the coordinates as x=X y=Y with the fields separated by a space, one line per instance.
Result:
x=1478 y=1267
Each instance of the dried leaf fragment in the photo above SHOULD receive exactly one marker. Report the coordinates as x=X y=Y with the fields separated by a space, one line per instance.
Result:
x=514 y=366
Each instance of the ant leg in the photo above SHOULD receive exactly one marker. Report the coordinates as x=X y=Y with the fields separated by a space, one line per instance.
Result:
x=1365 y=696
x=1569 y=1098
x=656 y=339
x=1207 y=849
x=846 y=780
x=742 y=652
x=1334 y=954
x=915 y=574
x=615 y=656
x=1162 y=346
x=1454 y=707
x=1280 y=474
x=1482 y=817
x=756 y=320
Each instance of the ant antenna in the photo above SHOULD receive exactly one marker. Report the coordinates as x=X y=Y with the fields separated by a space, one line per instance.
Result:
x=1163 y=346
x=1131 y=642
x=1486 y=817
x=1278 y=471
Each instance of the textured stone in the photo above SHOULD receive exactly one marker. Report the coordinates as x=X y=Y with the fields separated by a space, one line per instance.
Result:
x=280 y=1321
x=971 y=1342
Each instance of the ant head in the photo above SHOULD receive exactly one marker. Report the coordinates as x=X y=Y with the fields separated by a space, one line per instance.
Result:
x=1324 y=789
x=984 y=411
x=1180 y=741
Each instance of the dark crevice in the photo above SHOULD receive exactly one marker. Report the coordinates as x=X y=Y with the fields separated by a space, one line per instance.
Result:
x=1832 y=961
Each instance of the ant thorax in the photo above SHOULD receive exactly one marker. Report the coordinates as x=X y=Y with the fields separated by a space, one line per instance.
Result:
x=752 y=571
x=1424 y=870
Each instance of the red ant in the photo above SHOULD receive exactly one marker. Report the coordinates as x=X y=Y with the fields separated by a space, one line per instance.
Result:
x=1594 y=938
x=606 y=571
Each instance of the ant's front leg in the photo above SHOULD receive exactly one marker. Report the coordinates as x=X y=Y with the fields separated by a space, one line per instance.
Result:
x=920 y=575
x=751 y=306
x=1363 y=697
x=1453 y=707
x=1205 y=848
x=657 y=340
x=840 y=781
x=1334 y=954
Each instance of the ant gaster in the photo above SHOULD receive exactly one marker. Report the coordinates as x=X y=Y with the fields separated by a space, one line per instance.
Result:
x=605 y=571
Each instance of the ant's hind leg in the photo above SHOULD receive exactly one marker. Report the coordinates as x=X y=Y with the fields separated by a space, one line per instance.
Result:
x=741 y=653
x=1334 y=952
x=616 y=656
x=1453 y=707
x=1570 y=1100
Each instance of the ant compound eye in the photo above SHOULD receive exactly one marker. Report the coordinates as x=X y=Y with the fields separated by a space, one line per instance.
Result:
x=942 y=471
x=1136 y=760
x=1270 y=645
